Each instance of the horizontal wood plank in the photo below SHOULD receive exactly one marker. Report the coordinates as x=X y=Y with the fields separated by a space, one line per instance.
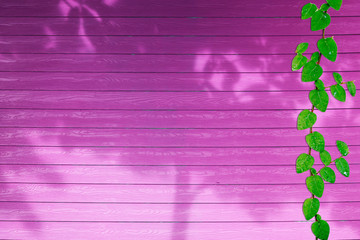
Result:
x=213 y=81
x=170 y=119
x=165 y=26
x=169 y=45
x=198 y=8
x=166 y=231
x=163 y=100
x=161 y=156
x=163 y=174
x=168 y=137
x=171 y=213
x=166 y=63
x=192 y=194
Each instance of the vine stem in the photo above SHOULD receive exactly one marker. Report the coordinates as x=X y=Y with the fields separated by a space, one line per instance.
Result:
x=311 y=129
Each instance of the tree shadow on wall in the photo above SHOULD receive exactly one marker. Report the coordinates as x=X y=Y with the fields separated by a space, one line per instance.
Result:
x=233 y=75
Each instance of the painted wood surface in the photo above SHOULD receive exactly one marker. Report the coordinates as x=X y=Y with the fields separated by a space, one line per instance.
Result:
x=167 y=120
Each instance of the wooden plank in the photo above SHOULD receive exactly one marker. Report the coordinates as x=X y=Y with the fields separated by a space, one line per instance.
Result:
x=165 y=63
x=163 y=81
x=157 y=156
x=169 y=45
x=161 y=156
x=344 y=230
x=170 y=119
x=16 y=211
x=198 y=8
x=169 y=137
x=163 y=174
x=194 y=194
x=165 y=26
x=163 y=100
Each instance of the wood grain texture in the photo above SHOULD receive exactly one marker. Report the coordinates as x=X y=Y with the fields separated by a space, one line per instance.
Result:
x=168 y=137
x=247 y=175
x=163 y=100
x=165 y=231
x=168 y=212
x=166 y=120
x=160 y=156
x=212 y=81
x=170 y=119
x=169 y=45
x=144 y=8
x=164 y=26
x=172 y=194
x=165 y=63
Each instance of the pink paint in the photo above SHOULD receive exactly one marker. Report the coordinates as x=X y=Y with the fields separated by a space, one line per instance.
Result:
x=166 y=120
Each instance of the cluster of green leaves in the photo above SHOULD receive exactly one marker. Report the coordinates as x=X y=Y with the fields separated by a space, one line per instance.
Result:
x=319 y=98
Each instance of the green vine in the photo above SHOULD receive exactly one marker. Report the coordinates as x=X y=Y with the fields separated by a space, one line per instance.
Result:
x=319 y=98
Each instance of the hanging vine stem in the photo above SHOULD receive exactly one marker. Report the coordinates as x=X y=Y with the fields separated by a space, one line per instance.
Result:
x=319 y=98
x=311 y=128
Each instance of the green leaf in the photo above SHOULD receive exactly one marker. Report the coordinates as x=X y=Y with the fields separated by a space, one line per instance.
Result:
x=352 y=88
x=320 y=99
x=328 y=48
x=311 y=207
x=319 y=84
x=320 y=20
x=325 y=157
x=343 y=166
x=302 y=47
x=315 y=56
x=342 y=147
x=311 y=72
x=315 y=184
x=308 y=11
x=304 y=162
x=335 y=4
x=313 y=171
x=328 y=174
x=338 y=92
x=306 y=119
x=316 y=141
x=337 y=77
x=298 y=62
x=321 y=229
x=324 y=7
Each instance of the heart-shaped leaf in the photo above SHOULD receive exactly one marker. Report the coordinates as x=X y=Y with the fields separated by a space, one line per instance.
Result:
x=311 y=207
x=308 y=11
x=324 y=7
x=315 y=184
x=316 y=141
x=328 y=48
x=335 y=4
x=315 y=56
x=325 y=157
x=321 y=229
x=338 y=92
x=306 y=119
x=320 y=20
x=352 y=88
x=302 y=47
x=343 y=166
x=298 y=62
x=304 y=162
x=311 y=72
x=319 y=84
x=320 y=99
x=337 y=77
x=342 y=147
x=328 y=174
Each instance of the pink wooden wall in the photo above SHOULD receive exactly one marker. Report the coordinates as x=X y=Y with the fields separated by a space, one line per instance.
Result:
x=166 y=120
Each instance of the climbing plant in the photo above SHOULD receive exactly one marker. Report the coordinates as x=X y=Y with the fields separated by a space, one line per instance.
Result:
x=319 y=98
